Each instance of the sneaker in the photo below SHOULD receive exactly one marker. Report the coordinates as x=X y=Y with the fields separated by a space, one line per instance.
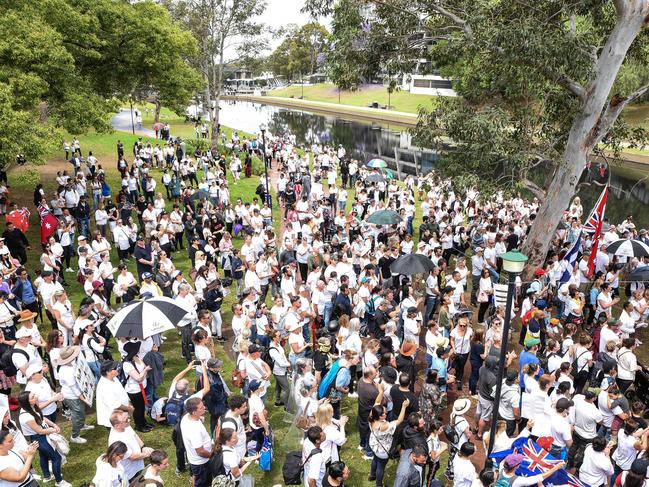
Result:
x=35 y=476
x=87 y=427
x=360 y=448
x=78 y=439
x=63 y=483
x=352 y=395
x=45 y=479
x=367 y=457
x=69 y=269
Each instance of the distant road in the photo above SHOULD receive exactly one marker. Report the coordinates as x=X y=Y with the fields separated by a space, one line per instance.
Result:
x=122 y=122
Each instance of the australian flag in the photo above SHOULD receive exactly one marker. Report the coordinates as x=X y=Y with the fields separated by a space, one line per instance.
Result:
x=537 y=461
x=567 y=265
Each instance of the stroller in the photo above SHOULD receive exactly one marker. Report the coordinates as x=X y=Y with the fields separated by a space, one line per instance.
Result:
x=639 y=390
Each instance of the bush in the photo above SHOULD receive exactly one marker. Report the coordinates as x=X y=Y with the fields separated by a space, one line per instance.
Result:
x=29 y=177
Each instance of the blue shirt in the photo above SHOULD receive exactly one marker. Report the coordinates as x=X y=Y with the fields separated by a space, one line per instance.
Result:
x=28 y=296
x=343 y=378
x=528 y=358
x=439 y=364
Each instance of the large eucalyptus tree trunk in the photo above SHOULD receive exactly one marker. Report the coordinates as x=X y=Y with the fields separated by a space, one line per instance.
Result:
x=590 y=125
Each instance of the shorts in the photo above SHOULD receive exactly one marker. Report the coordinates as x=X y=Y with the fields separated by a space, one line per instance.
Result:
x=485 y=408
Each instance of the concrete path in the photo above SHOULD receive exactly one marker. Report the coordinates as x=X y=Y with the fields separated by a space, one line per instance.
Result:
x=122 y=122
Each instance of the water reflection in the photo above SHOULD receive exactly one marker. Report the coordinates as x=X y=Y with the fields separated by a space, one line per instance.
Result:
x=364 y=140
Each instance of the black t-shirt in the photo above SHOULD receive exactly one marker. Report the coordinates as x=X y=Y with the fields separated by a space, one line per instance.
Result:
x=398 y=396
x=384 y=263
x=320 y=360
x=142 y=253
x=326 y=483
x=512 y=241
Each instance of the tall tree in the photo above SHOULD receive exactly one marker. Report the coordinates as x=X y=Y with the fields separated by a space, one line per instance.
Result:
x=300 y=50
x=542 y=84
x=221 y=27
x=64 y=64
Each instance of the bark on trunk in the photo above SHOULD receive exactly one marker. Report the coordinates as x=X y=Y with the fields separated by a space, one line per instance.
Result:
x=158 y=106
x=217 y=98
x=589 y=126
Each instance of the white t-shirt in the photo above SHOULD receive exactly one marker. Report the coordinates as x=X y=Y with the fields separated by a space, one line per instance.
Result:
x=43 y=393
x=314 y=468
x=195 y=436
x=231 y=459
x=133 y=386
x=129 y=438
x=561 y=431
x=595 y=468
x=464 y=472
x=110 y=395
x=625 y=452
x=16 y=461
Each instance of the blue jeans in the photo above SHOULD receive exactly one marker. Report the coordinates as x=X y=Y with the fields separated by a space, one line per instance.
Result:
x=84 y=227
x=94 y=366
x=377 y=469
x=431 y=302
x=151 y=395
x=48 y=454
x=326 y=314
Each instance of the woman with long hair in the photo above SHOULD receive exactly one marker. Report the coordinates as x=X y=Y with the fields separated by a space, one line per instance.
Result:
x=334 y=429
x=485 y=291
x=38 y=427
x=381 y=434
x=136 y=371
x=92 y=347
x=46 y=397
x=110 y=472
x=16 y=462
x=461 y=344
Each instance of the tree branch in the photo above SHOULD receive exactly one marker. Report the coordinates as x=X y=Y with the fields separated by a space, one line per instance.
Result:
x=535 y=189
x=468 y=31
x=615 y=106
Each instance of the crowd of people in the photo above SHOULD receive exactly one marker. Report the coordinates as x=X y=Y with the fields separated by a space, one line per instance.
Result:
x=318 y=322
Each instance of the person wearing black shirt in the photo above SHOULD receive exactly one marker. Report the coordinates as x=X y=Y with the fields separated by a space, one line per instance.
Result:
x=386 y=261
x=16 y=242
x=143 y=256
x=337 y=473
x=369 y=394
x=512 y=240
x=83 y=216
x=400 y=392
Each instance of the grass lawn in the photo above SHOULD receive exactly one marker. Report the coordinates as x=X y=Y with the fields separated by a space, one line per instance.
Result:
x=401 y=101
x=81 y=461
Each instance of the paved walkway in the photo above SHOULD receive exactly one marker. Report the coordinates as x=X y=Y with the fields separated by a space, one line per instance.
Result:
x=122 y=121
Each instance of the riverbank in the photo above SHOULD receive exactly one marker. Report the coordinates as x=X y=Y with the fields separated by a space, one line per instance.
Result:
x=377 y=115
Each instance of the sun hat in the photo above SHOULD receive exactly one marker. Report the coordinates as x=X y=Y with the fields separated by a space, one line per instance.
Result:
x=68 y=354
x=442 y=342
x=23 y=333
x=408 y=349
x=461 y=406
x=26 y=315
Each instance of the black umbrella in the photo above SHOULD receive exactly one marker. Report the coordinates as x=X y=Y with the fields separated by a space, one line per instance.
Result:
x=374 y=178
x=143 y=319
x=384 y=217
x=410 y=264
x=629 y=248
x=640 y=274
x=200 y=195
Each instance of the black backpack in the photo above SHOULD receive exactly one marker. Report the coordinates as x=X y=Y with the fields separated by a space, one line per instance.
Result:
x=174 y=408
x=266 y=357
x=6 y=362
x=293 y=468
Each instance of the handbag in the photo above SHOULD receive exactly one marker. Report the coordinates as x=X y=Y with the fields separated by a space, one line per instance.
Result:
x=59 y=443
x=483 y=297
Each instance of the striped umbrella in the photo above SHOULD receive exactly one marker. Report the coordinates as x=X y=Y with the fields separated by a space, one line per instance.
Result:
x=142 y=319
x=377 y=164
x=628 y=248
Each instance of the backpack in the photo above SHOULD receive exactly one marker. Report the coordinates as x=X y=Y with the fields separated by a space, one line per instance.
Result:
x=6 y=362
x=174 y=408
x=505 y=481
x=329 y=380
x=121 y=375
x=575 y=370
x=266 y=357
x=525 y=319
x=293 y=468
x=140 y=481
x=217 y=469
x=177 y=437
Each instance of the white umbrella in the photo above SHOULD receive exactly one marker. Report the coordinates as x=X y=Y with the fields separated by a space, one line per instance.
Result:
x=628 y=248
x=142 y=319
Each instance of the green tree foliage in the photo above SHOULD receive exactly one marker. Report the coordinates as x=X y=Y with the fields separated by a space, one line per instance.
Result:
x=65 y=63
x=541 y=84
x=300 y=51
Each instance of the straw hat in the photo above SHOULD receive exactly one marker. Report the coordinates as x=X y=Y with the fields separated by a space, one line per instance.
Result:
x=461 y=406
x=408 y=349
x=26 y=315
x=68 y=354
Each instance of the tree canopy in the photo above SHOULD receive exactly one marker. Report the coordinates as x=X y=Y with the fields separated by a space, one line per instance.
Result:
x=541 y=84
x=300 y=51
x=64 y=64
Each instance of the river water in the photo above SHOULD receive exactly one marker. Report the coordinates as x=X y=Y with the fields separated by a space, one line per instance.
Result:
x=366 y=140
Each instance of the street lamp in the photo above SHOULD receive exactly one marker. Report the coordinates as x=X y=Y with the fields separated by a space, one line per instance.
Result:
x=269 y=199
x=130 y=99
x=513 y=264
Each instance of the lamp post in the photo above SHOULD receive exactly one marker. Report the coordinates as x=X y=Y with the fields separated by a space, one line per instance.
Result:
x=269 y=199
x=513 y=264
x=130 y=99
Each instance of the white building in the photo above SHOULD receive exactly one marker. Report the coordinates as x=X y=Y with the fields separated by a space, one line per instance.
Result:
x=427 y=84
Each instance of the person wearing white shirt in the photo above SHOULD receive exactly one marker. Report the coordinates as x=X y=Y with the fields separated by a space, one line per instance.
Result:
x=197 y=442
x=597 y=467
x=110 y=394
x=133 y=461
x=73 y=397
x=232 y=460
x=630 y=440
x=313 y=461
x=627 y=364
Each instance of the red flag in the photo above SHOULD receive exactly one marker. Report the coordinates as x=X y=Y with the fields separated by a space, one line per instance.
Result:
x=20 y=218
x=593 y=226
x=49 y=223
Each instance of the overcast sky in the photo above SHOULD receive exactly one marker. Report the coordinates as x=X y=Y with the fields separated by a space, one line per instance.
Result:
x=280 y=13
